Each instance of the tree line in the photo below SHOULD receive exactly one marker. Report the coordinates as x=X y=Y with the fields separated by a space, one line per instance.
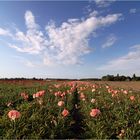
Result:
x=120 y=78
x=104 y=78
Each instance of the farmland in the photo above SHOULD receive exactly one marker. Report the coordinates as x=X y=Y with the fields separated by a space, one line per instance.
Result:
x=69 y=109
x=134 y=85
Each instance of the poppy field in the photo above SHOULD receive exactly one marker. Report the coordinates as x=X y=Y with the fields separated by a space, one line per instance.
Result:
x=68 y=109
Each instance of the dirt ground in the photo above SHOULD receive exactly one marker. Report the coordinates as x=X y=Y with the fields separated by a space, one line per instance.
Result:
x=135 y=85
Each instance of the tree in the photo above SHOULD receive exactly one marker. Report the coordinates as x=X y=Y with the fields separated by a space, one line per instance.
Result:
x=134 y=78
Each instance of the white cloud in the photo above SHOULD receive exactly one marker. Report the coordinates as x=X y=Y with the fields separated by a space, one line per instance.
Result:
x=127 y=62
x=132 y=11
x=110 y=41
x=135 y=47
x=30 y=20
x=70 y=40
x=60 y=45
x=4 y=32
x=94 y=13
x=33 y=41
x=104 y=3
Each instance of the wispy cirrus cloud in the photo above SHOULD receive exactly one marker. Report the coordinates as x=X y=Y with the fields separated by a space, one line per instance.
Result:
x=110 y=41
x=33 y=41
x=128 y=62
x=4 y=32
x=132 y=10
x=104 y=3
x=65 y=44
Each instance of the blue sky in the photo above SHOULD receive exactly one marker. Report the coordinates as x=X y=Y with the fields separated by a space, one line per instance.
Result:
x=69 y=39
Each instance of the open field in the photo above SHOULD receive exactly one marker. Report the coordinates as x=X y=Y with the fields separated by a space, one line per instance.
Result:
x=32 y=109
x=135 y=85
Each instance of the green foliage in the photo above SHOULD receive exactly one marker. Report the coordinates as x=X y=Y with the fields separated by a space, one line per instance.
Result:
x=42 y=118
x=120 y=78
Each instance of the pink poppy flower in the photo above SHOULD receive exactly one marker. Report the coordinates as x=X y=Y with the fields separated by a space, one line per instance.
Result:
x=94 y=112
x=26 y=97
x=22 y=94
x=60 y=103
x=82 y=96
x=39 y=94
x=57 y=86
x=109 y=90
x=65 y=112
x=125 y=92
x=132 y=98
x=14 y=114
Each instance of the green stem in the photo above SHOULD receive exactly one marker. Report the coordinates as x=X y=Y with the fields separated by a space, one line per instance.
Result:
x=14 y=129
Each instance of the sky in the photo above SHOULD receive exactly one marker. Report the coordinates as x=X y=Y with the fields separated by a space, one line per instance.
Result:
x=69 y=39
